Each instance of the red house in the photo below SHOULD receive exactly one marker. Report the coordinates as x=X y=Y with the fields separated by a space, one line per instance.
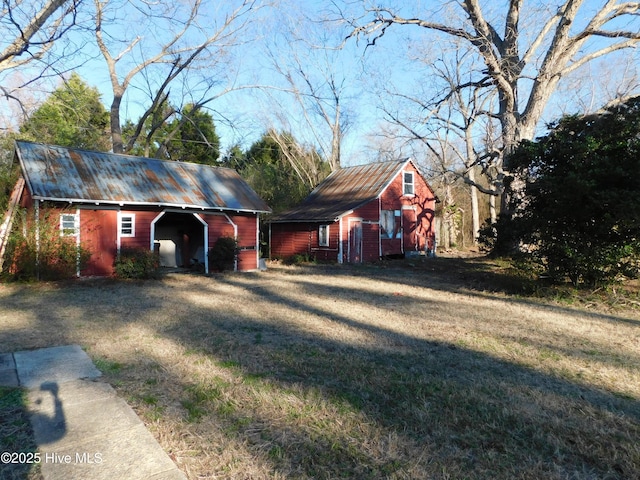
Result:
x=360 y=214
x=109 y=202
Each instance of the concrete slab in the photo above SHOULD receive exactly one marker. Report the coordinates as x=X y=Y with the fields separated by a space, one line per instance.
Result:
x=134 y=456
x=80 y=425
x=8 y=374
x=7 y=362
x=59 y=425
x=55 y=364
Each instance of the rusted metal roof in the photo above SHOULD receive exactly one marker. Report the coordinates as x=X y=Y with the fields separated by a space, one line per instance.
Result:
x=343 y=191
x=81 y=176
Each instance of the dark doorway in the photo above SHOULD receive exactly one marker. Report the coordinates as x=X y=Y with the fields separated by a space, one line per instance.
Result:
x=179 y=237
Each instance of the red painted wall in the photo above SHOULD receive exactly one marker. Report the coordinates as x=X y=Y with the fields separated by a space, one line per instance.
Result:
x=98 y=232
x=288 y=239
x=423 y=203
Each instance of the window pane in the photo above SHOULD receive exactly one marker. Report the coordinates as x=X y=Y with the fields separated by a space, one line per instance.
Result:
x=68 y=226
x=126 y=225
x=323 y=235
x=387 y=223
x=408 y=183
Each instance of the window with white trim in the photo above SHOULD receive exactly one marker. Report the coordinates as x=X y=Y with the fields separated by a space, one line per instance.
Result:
x=69 y=225
x=390 y=224
x=323 y=235
x=407 y=183
x=127 y=225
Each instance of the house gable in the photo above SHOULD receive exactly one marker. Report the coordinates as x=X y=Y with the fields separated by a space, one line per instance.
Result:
x=395 y=190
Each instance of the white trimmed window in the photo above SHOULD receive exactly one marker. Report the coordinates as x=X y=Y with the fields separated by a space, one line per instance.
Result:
x=69 y=225
x=323 y=236
x=127 y=225
x=407 y=183
x=390 y=224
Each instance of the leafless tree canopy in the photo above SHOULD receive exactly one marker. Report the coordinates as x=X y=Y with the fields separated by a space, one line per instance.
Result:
x=512 y=57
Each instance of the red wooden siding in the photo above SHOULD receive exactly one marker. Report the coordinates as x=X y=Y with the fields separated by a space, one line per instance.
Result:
x=357 y=235
x=289 y=239
x=98 y=234
x=416 y=231
x=246 y=225
x=247 y=242
x=143 y=221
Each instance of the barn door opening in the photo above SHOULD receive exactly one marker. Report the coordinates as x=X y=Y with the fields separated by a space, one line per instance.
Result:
x=179 y=238
x=355 y=241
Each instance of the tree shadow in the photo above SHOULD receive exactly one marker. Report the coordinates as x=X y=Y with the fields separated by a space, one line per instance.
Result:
x=401 y=406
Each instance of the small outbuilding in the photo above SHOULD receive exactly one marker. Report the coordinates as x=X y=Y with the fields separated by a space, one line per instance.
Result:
x=108 y=202
x=360 y=214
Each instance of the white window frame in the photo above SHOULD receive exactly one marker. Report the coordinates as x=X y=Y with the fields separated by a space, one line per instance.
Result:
x=65 y=229
x=121 y=224
x=408 y=187
x=387 y=223
x=323 y=239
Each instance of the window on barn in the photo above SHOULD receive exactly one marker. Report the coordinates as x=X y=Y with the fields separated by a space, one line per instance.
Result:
x=407 y=184
x=323 y=235
x=69 y=225
x=390 y=223
x=127 y=225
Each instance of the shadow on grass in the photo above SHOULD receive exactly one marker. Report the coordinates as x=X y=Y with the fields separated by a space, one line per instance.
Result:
x=16 y=436
x=458 y=411
x=413 y=409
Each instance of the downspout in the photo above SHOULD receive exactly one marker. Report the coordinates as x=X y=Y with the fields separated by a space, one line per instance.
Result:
x=341 y=242
x=78 y=242
x=379 y=228
x=258 y=241
x=37 y=217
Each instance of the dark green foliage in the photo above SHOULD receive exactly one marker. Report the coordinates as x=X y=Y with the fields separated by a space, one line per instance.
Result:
x=45 y=255
x=223 y=255
x=270 y=172
x=197 y=140
x=72 y=116
x=137 y=263
x=580 y=213
x=8 y=177
x=186 y=136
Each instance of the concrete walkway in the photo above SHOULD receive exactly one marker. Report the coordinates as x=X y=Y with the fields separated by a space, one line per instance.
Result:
x=82 y=429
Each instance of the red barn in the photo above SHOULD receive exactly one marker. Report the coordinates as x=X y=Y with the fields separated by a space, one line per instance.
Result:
x=109 y=202
x=360 y=214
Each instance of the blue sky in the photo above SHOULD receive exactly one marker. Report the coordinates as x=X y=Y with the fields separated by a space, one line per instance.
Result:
x=364 y=73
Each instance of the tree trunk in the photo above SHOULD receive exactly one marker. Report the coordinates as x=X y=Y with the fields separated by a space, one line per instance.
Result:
x=475 y=214
x=116 y=129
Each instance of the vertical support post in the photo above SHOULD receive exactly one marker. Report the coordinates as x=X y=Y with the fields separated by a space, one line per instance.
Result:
x=37 y=217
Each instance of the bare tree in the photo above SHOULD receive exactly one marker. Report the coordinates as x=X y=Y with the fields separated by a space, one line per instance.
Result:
x=523 y=60
x=448 y=125
x=304 y=55
x=29 y=31
x=177 y=41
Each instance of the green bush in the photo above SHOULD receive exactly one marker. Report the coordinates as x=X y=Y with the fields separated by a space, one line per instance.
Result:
x=46 y=256
x=137 y=263
x=223 y=255
x=578 y=216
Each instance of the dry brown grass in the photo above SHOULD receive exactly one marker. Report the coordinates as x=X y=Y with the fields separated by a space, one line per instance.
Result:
x=389 y=371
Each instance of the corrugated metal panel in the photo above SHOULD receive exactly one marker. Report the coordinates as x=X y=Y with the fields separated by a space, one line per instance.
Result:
x=342 y=191
x=64 y=174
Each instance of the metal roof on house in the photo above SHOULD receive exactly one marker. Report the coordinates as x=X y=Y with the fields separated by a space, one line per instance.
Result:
x=80 y=176
x=343 y=191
